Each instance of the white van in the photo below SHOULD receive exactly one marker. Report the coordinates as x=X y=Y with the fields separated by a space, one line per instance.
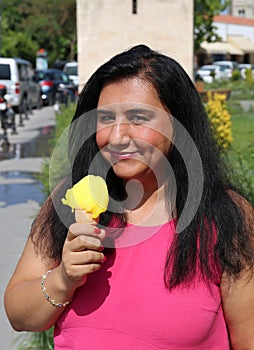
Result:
x=71 y=69
x=22 y=88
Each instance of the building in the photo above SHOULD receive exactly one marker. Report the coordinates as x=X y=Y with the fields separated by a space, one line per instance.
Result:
x=242 y=8
x=237 y=41
x=106 y=27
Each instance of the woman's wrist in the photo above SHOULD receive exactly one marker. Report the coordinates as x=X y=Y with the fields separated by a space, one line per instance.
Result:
x=52 y=301
x=56 y=288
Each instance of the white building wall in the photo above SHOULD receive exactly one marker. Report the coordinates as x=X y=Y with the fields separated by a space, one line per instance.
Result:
x=237 y=6
x=106 y=27
x=225 y=29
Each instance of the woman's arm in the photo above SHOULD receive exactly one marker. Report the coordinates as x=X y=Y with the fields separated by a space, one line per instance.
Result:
x=25 y=304
x=238 y=293
x=238 y=305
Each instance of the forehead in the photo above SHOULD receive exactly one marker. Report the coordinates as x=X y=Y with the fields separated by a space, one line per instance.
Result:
x=132 y=91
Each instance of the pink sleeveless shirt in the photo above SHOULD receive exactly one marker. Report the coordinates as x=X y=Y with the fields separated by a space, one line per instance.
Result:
x=125 y=305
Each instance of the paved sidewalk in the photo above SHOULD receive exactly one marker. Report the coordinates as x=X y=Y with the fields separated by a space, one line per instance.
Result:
x=20 y=198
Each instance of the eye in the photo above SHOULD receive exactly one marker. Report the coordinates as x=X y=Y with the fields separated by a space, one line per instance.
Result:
x=138 y=118
x=106 y=118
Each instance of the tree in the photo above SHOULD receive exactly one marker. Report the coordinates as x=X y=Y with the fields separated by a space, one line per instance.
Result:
x=204 y=11
x=28 y=25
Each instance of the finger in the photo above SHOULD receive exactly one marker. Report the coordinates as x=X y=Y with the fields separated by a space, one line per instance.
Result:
x=84 y=229
x=87 y=257
x=82 y=270
x=86 y=242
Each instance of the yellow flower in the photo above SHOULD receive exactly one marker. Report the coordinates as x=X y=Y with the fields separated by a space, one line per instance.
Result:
x=220 y=118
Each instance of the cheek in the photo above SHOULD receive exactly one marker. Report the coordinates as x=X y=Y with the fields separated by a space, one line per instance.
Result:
x=155 y=138
x=102 y=137
x=159 y=144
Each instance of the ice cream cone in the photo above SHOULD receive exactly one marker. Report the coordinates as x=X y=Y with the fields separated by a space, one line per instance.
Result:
x=82 y=217
x=88 y=198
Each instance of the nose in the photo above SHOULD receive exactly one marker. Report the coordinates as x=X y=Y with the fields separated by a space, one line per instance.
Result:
x=120 y=132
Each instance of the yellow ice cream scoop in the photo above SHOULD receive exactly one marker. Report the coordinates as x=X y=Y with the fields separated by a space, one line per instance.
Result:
x=88 y=197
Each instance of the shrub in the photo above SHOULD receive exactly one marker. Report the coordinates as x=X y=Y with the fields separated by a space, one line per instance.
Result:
x=249 y=76
x=220 y=118
x=236 y=75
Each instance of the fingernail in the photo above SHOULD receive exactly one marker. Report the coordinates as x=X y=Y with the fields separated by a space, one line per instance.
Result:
x=104 y=259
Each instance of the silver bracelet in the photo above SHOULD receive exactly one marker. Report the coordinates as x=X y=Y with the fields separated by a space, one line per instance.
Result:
x=44 y=291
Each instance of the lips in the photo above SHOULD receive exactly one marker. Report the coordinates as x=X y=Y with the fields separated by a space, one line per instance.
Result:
x=123 y=155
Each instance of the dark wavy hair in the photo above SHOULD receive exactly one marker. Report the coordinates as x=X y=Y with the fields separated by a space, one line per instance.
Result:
x=219 y=235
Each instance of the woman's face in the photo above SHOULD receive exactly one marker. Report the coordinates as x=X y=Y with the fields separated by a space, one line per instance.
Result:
x=134 y=130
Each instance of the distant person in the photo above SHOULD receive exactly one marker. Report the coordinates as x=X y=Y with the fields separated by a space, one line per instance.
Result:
x=179 y=274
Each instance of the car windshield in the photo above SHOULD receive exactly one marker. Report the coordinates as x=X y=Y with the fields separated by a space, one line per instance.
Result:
x=208 y=69
x=71 y=70
x=52 y=76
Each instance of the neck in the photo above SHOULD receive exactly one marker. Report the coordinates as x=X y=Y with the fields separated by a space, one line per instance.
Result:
x=146 y=206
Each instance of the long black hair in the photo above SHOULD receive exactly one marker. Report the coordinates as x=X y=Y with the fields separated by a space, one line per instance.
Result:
x=218 y=236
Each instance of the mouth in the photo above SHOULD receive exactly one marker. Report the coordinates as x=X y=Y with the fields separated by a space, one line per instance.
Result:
x=123 y=155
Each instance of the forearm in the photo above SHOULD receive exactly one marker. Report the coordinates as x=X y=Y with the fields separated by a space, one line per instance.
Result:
x=29 y=310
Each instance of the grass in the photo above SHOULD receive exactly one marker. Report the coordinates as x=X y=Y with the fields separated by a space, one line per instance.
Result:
x=239 y=89
x=241 y=153
x=242 y=127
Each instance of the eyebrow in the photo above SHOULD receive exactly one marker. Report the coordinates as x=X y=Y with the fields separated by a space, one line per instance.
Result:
x=140 y=110
x=105 y=111
x=129 y=111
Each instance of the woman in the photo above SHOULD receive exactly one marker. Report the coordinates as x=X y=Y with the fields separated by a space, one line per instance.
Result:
x=180 y=273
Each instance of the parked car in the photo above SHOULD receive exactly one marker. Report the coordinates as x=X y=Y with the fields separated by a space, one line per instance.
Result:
x=22 y=88
x=209 y=72
x=54 y=82
x=242 y=68
x=228 y=66
x=71 y=69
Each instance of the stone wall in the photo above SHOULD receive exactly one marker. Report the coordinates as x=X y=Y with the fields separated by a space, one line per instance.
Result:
x=106 y=27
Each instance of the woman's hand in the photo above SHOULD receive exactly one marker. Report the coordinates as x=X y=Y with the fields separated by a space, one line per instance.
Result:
x=82 y=254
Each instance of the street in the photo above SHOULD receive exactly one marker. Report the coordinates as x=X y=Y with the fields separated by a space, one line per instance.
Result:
x=20 y=198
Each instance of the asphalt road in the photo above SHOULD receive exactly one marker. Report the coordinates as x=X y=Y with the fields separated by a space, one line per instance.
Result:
x=20 y=199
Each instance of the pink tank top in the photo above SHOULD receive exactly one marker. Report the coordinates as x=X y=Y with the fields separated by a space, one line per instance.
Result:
x=125 y=305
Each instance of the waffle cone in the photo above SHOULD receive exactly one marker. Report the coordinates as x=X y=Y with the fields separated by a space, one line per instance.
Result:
x=82 y=217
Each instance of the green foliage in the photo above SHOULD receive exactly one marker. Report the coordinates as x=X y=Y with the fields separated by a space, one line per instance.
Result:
x=244 y=172
x=37 y=341
x=240 y=89
x=204 y=29
x=62 y=121
x=241 y=152
x=28 y=25
x=236 y=75
x=249 y=76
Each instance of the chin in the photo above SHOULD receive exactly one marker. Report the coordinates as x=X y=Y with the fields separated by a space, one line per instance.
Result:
x=127 y=173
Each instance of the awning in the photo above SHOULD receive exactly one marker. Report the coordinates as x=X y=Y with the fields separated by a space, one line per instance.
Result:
x=220 y=47
x=241 y=42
